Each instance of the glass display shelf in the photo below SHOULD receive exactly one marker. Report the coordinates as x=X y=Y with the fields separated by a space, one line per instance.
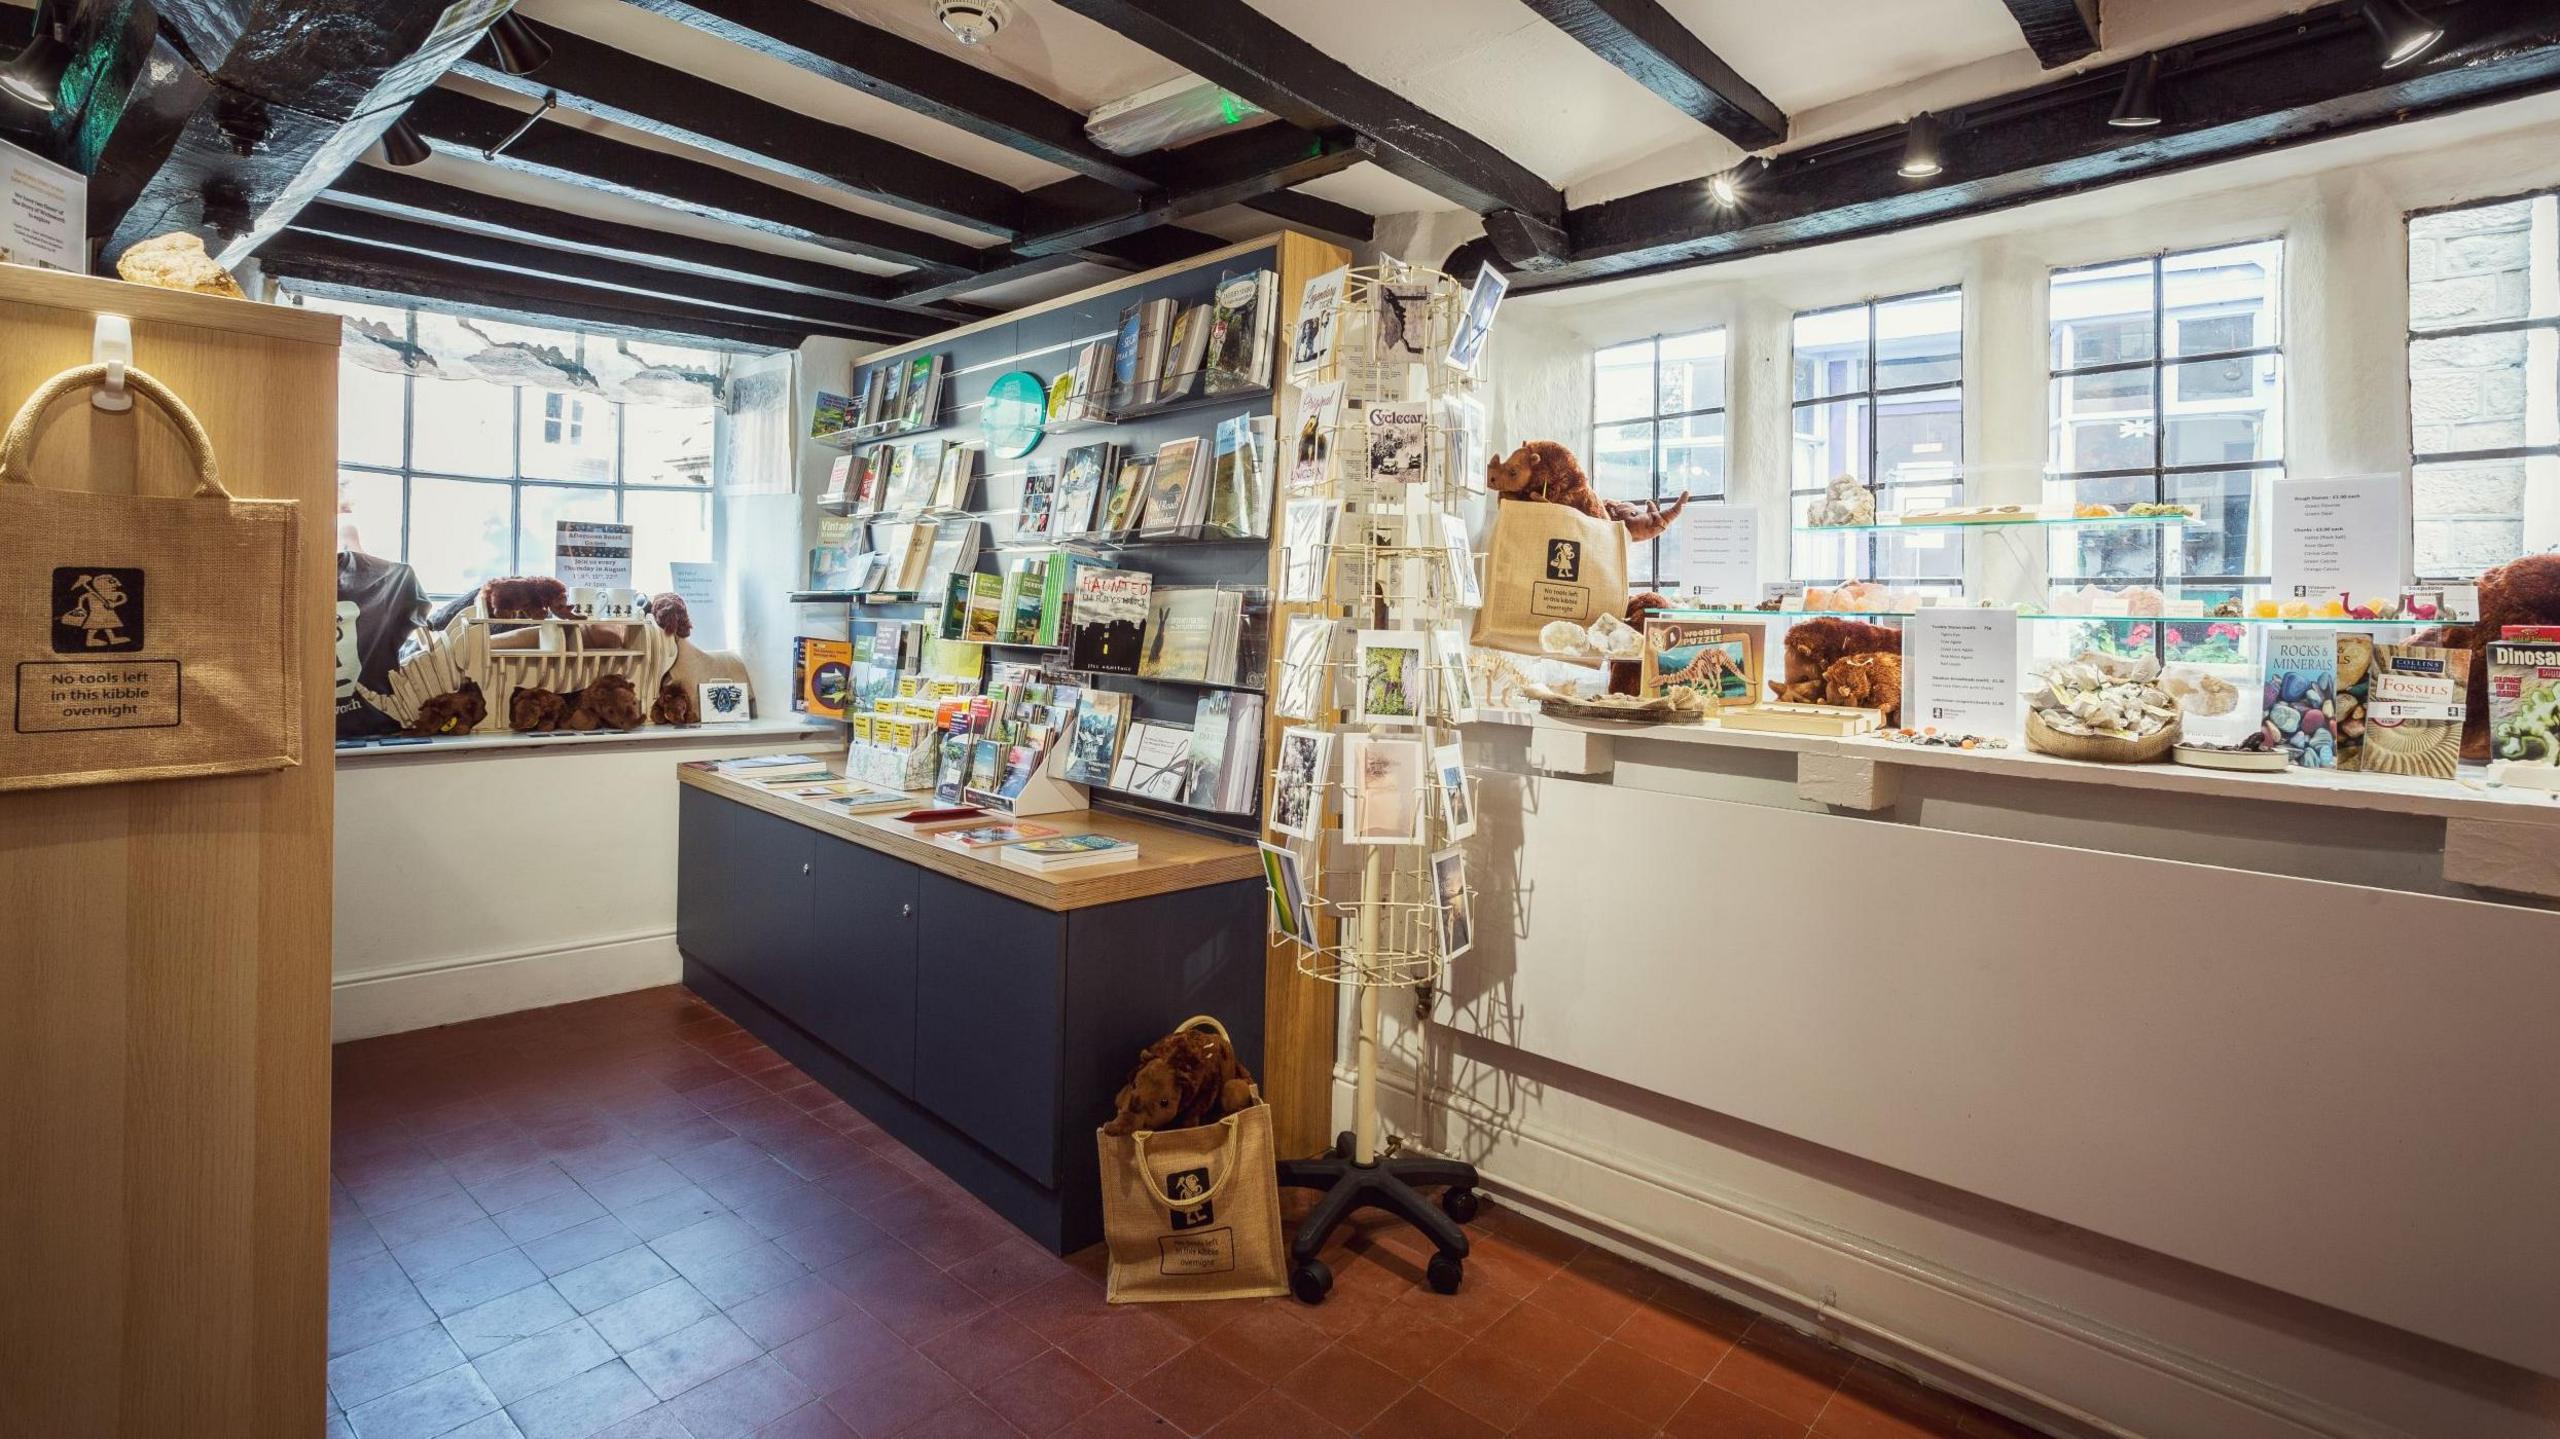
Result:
x=2047 y=522
x=1710 y=612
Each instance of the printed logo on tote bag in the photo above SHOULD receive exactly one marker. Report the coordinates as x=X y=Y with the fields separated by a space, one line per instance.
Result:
x=1564 y=560
x=97 y=610
x=1188 y=1184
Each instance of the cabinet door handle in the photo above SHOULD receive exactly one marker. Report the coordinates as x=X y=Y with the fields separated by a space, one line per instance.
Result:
x=906 y=911
x=804 y=869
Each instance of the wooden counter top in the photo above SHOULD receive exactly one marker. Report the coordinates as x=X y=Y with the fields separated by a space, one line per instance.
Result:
x=1168 y=859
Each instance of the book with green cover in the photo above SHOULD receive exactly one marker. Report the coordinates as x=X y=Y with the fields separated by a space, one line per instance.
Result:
x=1025 y=590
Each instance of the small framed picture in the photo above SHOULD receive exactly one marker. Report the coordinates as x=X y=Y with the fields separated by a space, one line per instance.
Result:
x=722 y=701
x=1382 y=788
x=1289 y=916
x=1457 y=912
x=1395 y=677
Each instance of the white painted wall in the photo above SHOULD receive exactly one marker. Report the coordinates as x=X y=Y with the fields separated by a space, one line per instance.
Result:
x=1852 y=1112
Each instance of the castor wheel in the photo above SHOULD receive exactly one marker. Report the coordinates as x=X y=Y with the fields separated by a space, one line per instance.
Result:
x=1460 y=1204
x=1313 y=1280
x=1446 y=1272
x=1345 y=1144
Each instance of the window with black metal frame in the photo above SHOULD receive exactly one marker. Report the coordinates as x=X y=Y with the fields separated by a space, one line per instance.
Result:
x=1925 y=407
x=1623 y=429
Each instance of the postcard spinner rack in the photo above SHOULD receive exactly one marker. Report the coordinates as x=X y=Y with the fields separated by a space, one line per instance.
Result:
x=1374 y=916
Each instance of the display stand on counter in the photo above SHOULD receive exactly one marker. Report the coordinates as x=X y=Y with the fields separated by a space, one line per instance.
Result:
x=1368 y=889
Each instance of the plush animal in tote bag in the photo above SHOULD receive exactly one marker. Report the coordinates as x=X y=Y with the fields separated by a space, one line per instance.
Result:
x=1545 y=470
x=1188 y=1078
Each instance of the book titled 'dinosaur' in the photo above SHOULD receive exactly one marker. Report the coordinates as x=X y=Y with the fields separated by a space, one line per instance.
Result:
x=1074 y=851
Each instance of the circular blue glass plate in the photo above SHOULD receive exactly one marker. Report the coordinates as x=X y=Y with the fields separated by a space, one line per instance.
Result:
x=1017 y=406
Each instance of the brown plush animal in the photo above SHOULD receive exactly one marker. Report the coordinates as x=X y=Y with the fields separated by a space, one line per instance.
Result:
x=526 y=597
x=2520 y=592
x=1815 y=645
x=535 y=711
x=459 y=712
x=1626 y=677
x=1188 y=1078
x=1545 y=470
x=1866 y=681
x=674 y=705
x=609 y=703
x=669 y=611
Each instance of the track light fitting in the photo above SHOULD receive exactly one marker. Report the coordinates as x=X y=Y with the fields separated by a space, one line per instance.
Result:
x=2405 y=34
x=31 y=76
x=1920 y=149
x=1727 y=187
x=2138 y=107
x=401 y=146
x=520 y=51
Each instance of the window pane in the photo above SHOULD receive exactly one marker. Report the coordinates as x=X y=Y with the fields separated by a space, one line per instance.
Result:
x=1622 y=382
x=1692 y=372
x=1919 y=438
x=2477 y=392
x=666 y=445
x=568 y=437
x=1831 y=439
x=2226 y=299
x=1693 y=457
x=2118 y=556
x=1831 y=352
x=369 y=513
x=1622 y=461
x=464 y=427
x=460 y=533
x=2102 y=316
x=544 y=506
x=369 y=416
x=2471 y=515
x=2224 y=411
x=2474 y=265
x=2222 y=540
x=665 y=526
x=1920 y=341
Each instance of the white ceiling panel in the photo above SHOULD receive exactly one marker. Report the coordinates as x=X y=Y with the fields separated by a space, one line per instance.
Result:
x=1044 y=46
x=1805 y=53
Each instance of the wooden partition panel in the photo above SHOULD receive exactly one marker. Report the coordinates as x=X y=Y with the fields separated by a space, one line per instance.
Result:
x=164 y=1067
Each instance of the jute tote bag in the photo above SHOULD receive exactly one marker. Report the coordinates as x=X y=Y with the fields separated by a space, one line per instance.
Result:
x=142 y=636
x=1194 y=1213
x=1548 y=563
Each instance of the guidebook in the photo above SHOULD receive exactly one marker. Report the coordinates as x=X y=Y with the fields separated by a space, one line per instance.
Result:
x=1068 y=851
x=1110 y=615
x=994 y=836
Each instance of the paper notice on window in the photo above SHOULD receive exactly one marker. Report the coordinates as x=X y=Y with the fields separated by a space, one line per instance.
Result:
x=1720 y=561
x=697 y=583
x=589 y=552
x=44 y=213
x=2340 y=536
x=1960 y=672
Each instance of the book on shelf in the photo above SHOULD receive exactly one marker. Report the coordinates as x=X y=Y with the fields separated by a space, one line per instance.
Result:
x=924 y=392
x=1127 y=496
x=1025 y=586
x=1238 y=499
x=984 y=617
x=1170 y=488
x=868 y=801
x=1082 y=477
x=1109 y=615
x=1093 y=737
x=1240 y=321
x=951 y=483
x=833 y=413
x=977 y=838
x=1125 y=347
x=954 y=552
x=831 y=558
x=1226 y=747
x=1068 y=851
x=821 y=676
x=912 y=483
x=1184 y=352
x=1089 y=390
x=1155 y=760
x=843 y=479
x=1178 y=634
x=1033 y=517
x=891 y=389
x=1155 y=337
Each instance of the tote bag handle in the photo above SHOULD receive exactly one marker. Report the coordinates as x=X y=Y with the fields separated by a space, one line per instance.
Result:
x=21 y=436
x=1138 y=1140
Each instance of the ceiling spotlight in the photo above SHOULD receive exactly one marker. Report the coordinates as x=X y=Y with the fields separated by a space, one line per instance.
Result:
x=1920 y=149
x=401 y=145
x=2137 y=108
x=2405 y=34
x=31 y=75
x=521 y=50
x=1726 y=187
x=971 y=22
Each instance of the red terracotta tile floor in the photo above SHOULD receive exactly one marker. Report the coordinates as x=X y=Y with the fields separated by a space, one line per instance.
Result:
x=629 y=1218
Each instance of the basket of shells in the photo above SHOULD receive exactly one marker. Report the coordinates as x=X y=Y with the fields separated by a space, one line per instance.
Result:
x=2096 y=707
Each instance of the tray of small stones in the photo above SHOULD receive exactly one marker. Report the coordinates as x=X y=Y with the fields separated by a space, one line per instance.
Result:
x=2230 y=757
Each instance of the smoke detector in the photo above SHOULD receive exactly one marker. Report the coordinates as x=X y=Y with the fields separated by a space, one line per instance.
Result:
x=971 y=22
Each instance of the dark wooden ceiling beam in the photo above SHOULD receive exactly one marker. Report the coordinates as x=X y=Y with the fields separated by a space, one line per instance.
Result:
x=1314 y=212
x=2059 y=31
x=1231 y=44
x=1208 y=175
x=467 y=125
x=672 y=104
x=333 y=269
x=757 y=303
x=1145 y=250
x=394 y=192
x=914 y=77
x=2302 y=78
x=1661 y=54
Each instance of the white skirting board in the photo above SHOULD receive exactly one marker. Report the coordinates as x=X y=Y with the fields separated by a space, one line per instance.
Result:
x=422 y=995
